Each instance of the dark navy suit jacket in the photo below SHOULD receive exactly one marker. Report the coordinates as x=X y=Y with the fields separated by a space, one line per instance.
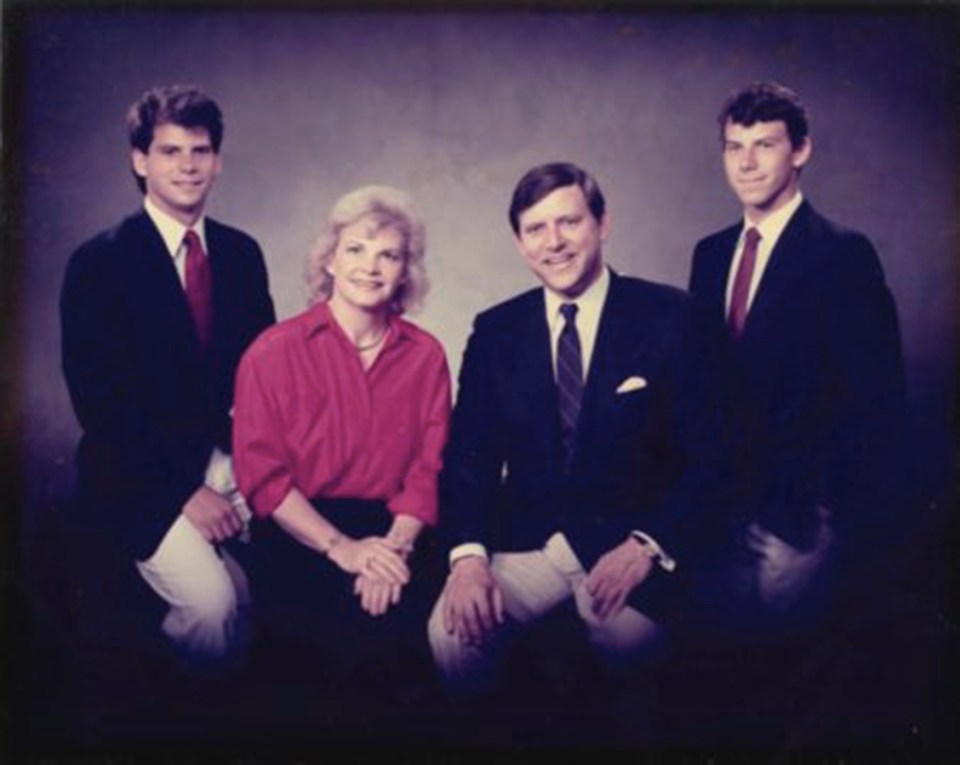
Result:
x=818 y=378
x=152 y=403
x=643 y=459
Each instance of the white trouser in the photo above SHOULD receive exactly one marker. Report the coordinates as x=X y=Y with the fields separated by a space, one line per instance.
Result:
x=205 y=588
x=532 y=583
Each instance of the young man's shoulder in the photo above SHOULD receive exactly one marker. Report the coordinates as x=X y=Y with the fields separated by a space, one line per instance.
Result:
x=720 y=237
x=111 y=242
x=238 y=236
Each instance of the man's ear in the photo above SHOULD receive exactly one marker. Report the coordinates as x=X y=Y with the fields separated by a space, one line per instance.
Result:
x=139 y=162
x=605 y=226
x=802 y=155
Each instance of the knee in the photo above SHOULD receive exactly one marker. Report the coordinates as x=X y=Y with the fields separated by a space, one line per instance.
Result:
x=437 y=633
x=213 y=601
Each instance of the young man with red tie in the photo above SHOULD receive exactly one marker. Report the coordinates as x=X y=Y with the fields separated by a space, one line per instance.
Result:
x=155 y=316
x=817 y=381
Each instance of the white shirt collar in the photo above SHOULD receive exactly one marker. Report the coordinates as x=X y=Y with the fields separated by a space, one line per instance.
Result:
x=770 y=230
x=589 y=309
x=773 y=225
x=173 y=230
x=589 y=303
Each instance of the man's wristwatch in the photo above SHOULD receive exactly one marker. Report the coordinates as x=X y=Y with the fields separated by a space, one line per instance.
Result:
x=653 y=551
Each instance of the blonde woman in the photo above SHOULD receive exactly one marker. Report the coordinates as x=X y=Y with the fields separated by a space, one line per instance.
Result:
x=341 y=416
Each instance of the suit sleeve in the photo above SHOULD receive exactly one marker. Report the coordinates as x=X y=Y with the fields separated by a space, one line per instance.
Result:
x=694 y=286
x=261 y=309
x=127 y=457
x=475 y=453
x=690 y=510
x=856 y=476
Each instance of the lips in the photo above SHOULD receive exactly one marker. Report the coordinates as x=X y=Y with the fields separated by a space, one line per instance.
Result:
x=365 y=284
x=558 y=261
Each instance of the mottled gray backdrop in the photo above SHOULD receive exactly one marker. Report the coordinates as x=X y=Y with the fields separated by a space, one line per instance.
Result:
x=454 y=108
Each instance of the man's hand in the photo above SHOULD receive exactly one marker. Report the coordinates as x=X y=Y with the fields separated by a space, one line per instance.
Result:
x=472 y=602
x=212 y=514
x=783 y=572
x=376 y=594
x=615 y=575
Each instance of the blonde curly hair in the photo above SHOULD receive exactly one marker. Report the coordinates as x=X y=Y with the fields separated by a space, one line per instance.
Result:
x=389 y=207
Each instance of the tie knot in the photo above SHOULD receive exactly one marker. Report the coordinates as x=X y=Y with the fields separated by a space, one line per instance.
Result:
x=752 y=237
x=569 y=312
x=192 y=240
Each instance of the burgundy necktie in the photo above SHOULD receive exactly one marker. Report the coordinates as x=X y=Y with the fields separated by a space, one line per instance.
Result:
x=198 y=286
x=741 y=285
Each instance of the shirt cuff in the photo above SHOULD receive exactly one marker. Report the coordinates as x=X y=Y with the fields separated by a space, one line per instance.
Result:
x=466 y=550
x=220 y=478
x=656 y=552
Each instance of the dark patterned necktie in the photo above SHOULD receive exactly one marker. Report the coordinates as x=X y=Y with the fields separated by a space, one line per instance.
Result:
x=198 y=286
x=740 y=297
x=569 y=378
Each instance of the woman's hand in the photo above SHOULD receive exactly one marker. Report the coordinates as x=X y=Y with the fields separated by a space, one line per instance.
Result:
x=376 y=595
x=371 y=556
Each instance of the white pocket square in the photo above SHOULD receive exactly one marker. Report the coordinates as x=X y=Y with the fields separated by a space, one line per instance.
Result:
x=632 y=384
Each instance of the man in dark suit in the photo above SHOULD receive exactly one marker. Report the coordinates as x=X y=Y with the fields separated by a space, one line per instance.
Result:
x=817 y=375
x=816 y=357
x=580 y=448
x=155 y=316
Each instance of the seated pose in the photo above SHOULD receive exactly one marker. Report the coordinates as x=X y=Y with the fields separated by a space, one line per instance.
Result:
x=155 y=314
x=579 y=454
x=340 y=422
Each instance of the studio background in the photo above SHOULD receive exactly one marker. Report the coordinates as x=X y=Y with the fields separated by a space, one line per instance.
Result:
x=454 y=108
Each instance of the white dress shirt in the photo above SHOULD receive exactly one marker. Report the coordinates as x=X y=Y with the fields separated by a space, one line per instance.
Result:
x=589 y=307
x=173 y=232
x=770 y=230
x=219 y=474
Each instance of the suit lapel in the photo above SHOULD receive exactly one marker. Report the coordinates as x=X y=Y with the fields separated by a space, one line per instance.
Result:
x=536 y=386
x=616 y=335
x=719 y=262
x=216 y=248
x=162 y=302
x=787 y=263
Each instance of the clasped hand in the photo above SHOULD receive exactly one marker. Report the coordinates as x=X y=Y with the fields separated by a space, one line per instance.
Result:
x=371 y=556
x=381 y=569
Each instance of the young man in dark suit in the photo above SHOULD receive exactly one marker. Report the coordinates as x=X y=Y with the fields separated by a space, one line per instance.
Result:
x=580 y=449
x=817 y=375
x=155 y=314
x=815 y=351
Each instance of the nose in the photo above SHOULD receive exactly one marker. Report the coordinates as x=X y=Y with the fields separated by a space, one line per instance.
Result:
x=371 y=262
x=188 y=162
x=748 y=159
x=555 y=239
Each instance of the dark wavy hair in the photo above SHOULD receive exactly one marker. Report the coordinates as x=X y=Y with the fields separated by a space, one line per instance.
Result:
x=766 y=102
x=544 y=179
x=183 y=105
